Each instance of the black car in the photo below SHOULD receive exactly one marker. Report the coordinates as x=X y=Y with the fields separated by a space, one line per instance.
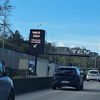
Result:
x=68 y=76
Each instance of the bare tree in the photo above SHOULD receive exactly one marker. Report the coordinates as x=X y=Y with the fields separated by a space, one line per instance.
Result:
x=5 y=9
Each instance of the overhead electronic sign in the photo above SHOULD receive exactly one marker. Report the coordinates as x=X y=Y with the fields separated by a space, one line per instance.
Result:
x=37 y=40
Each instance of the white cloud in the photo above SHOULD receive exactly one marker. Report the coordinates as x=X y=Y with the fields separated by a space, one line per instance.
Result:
x=93 y=46
x=75 y=43
x=98 y=45
x=87 y=44
x=60 y=44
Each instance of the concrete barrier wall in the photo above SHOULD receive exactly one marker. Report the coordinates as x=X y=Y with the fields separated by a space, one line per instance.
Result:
x=33 y=84
x=16 y=60
x=42 y=68
x=12 y=58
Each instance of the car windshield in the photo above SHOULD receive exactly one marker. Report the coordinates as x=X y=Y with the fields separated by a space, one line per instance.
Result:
x=66 y=70
x=93 y=72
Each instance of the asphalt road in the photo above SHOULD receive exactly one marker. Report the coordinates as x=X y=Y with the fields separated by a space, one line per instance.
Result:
x=91 y=92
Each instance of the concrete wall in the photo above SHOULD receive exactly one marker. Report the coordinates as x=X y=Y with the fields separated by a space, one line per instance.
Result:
x=42 y=68
x=52 y=68
x=12 y=58
x=18 y=60
x=33 y=84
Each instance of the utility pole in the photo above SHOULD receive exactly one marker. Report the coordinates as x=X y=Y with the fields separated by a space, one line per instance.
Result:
x=95 y=62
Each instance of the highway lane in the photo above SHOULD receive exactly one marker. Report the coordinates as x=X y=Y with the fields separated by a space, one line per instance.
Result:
x=91 y=92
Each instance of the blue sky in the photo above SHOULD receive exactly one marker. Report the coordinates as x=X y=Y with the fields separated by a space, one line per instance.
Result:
x=67 y=22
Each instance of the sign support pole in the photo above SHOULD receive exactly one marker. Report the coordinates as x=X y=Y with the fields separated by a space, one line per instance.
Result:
x=35 y=67
x=37 y=40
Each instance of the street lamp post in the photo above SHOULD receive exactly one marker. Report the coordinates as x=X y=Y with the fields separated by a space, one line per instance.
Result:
x=38 y=25
x=95 y=61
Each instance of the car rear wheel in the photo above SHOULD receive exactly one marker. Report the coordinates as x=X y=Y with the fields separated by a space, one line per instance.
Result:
x=81 y=87
x=88 y=80
x=78 y=88
x=54 y=87
x=11 y=95
x=59 y=87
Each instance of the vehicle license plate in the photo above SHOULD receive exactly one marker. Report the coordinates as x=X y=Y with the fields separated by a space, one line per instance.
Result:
x=64 y=81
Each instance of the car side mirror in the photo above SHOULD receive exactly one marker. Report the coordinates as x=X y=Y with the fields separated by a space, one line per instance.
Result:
x=2 y=70
x=82 y=72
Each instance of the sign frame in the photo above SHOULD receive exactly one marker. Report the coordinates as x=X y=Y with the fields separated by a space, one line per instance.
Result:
x=37 y=41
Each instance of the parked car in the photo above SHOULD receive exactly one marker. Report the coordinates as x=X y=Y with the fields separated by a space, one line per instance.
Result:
x=93 y=75
x=6 y=85
x=68 y=76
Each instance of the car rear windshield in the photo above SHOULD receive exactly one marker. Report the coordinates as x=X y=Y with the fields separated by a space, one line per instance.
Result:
x=66 y=70
x=94 y=72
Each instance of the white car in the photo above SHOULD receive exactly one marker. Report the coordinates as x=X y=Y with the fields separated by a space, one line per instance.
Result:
x=93 y=75
x=6 y=86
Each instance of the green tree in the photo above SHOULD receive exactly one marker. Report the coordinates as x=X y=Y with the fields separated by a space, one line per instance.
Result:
x=16 y=38
x=49 y=48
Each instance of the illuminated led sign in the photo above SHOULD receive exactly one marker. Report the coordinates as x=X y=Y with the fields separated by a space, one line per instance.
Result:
x=37 y=39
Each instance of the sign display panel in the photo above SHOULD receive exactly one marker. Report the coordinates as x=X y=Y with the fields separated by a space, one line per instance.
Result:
x=37 y=40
